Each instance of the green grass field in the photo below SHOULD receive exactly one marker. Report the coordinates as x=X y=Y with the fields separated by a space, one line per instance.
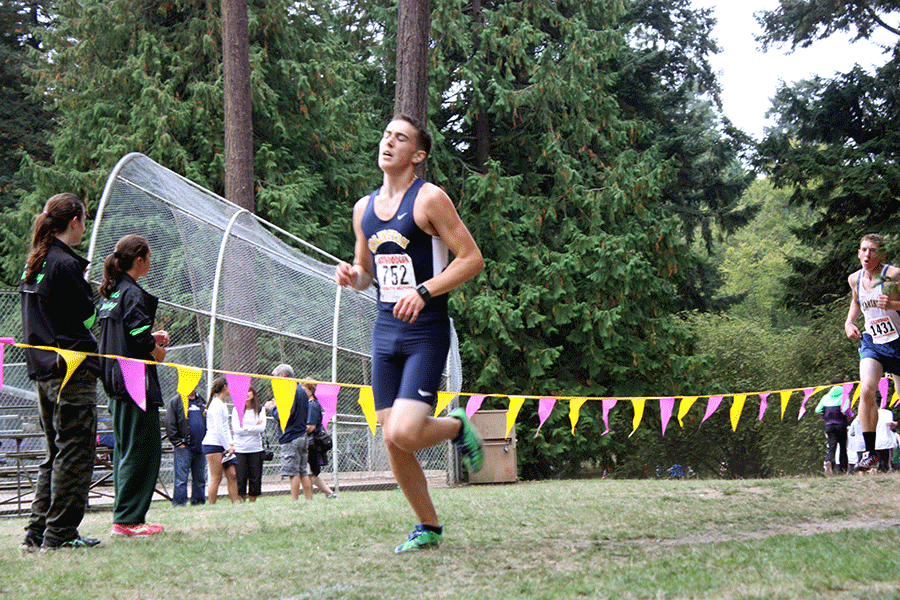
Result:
x=780 y=538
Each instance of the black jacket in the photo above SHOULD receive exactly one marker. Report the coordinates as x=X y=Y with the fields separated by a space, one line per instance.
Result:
x=126 y=327
x=178 y=426
x=58 y=310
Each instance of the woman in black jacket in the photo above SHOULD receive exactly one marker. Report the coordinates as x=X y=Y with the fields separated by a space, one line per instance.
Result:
x=58 y=310
x=127 y=317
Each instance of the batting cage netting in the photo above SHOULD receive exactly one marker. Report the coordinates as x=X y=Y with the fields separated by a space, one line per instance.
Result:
x=242 y=295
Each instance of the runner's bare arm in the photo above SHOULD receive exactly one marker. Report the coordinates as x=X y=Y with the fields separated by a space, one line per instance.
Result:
x=358 y=275
x=854 y=313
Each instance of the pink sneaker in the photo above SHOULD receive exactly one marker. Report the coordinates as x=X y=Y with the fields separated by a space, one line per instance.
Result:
x=136 y=530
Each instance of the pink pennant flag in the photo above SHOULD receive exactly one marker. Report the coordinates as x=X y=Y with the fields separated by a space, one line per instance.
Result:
x=133 y=373
x=545 y=407
x=712 y=406
x=3 y=342
x=763 y=404
x=666 y=405
x=845 y=397
x=806 y=394
x=474 y=404
x=883 y=389
x=238 y=388
x=327 y=393
x=607 y=404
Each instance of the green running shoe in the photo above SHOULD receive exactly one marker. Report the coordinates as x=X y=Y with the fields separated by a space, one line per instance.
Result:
x=420 y=539
x=469 y=443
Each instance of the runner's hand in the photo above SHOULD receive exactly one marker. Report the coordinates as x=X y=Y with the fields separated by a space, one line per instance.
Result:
x=408 y=307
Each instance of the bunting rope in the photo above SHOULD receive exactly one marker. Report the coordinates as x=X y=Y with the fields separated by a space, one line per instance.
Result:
x=284 y=388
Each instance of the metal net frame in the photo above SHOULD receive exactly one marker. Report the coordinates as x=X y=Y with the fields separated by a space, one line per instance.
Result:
x=241 y=294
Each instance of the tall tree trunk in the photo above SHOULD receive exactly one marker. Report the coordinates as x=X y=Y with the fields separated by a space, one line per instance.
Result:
x=482 y=122
x=238 y=342
x=411 y=90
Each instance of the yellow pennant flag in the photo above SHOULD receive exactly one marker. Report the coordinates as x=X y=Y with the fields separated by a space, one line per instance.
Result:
x=188 y=378
x=367 y=403
x=736 y=407
x=284 y=391
x=894 y=398
x=515 y=405
x=856 y=395
x=444 y=399
x=785 y=396
x=73 y=359
x=638 y=404
x=683 y=407
x=575 y=411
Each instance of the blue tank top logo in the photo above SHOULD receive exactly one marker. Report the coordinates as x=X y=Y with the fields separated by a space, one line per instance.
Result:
x=385 y=236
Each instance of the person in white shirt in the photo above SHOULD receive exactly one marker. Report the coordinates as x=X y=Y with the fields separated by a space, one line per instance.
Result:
x=248 y=447
x=884 y=438
x=217 y=445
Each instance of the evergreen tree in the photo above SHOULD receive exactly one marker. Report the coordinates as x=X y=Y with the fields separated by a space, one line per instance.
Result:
x=23 y=123
x=836 y=143
x=665 y=79
x=581 y=260
x=124 y=76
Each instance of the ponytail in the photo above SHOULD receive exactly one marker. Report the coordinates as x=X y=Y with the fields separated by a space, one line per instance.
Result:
x=54 y=220
x=218 y=385
x=121 y=260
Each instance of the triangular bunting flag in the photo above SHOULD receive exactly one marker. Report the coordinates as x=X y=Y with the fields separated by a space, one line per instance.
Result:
x=608 y=404
x=188 y=379
x=444 y=400
x=575 y=411
x=666 y=405
x=367 y=403
x=238 y=388
x=545 y=407
x=327 y=393
x=785 y=396
x=737 y=405
x=856 y=395
x=763 y=404
x=133 y=372
x=712 y=405
x=515 y=404
x=845 y=398
x=807 y=393
x=73 y=359
x=474 y=404
x=683 y=407
x=638 y=404
x=284 y=391
x=883 y=390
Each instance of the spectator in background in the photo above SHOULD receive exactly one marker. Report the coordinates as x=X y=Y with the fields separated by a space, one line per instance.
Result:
x=293 y=439
x=317 y=455
x=217 y=444
x=884 y=438
x=836 y=423
x=186 y=434
x=855 y=443
x=127 y=317
x=58 y=310
x=248 y=447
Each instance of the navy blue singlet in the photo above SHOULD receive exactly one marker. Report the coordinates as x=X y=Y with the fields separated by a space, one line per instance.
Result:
x=407 y=358
x=392 y=241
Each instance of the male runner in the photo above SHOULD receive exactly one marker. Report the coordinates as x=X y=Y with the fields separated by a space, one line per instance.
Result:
x=877 y=298
x=403 y=232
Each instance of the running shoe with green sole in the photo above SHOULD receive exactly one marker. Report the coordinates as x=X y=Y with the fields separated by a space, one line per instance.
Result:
x=50 y=545
x=420 y=539
x=469 y=443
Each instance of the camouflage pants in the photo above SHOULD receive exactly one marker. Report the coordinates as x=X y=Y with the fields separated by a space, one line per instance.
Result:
x=64 y=478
